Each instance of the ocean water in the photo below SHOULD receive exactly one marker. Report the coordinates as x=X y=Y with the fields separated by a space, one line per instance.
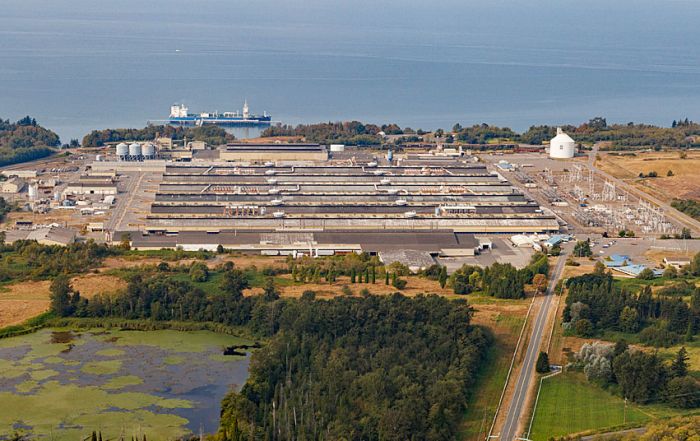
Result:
x=77 y=65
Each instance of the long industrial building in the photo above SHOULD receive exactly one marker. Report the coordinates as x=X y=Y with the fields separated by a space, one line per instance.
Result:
x=456 y=197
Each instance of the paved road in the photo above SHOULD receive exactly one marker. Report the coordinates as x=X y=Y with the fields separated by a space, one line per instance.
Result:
x=524 y=381
x=671 y=212
x=124 y=201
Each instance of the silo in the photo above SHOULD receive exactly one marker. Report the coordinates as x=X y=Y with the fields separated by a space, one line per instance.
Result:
x=149 y=151
x=122 y=151
x=135 y=151
x=562 y=146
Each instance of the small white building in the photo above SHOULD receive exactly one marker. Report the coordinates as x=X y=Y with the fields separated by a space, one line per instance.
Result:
x=676 y=262
x=562 y=146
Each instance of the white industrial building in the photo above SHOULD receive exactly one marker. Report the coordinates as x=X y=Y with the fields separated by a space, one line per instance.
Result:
x=99 y=188
x=562 y=146
x=13 y=185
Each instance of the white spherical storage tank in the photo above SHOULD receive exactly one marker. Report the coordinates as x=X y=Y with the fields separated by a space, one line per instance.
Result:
x=562 y=146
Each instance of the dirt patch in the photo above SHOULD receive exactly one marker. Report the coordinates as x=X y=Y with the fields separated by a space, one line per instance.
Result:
x=657 y=256
x=585 y=267
x=22 y=301
x=92 y=284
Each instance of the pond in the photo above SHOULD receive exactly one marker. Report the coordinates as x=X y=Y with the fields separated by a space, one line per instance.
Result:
x=61 y=384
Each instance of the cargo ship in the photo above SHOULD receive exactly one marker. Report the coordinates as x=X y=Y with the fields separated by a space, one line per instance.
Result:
x=179 y=115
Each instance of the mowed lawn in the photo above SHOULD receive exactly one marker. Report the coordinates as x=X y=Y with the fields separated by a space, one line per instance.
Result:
x=569 y=404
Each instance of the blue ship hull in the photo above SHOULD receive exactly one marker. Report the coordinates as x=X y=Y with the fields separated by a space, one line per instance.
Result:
x=221 y=120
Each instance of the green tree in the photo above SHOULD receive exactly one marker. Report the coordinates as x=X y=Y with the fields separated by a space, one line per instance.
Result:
x=583 y=249
x=443 y=276
x=542 y=365
x=646 y=274
x=679 y=366
x=270 y=293
x=199 y=272
x=683 y=392
x=233 y=283
x=641 y=376
x=599 y=268
x=670 y=272
x=629 y=320
x=61 y=296
x=584 y=328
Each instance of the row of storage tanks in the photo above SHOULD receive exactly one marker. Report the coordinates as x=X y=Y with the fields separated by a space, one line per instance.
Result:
x=136 y=151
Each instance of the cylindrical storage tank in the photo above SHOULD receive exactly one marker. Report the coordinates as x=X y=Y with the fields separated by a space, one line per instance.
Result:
x=562 y=146
x=33 y=192
x=98 y=158
x=122 y=150
x=337 y=147
x=135 y=151
x=149 y=151
x=57 y=196
x=390 y=156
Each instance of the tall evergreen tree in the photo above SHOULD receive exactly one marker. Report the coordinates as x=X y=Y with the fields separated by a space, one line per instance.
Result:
x=679 y=367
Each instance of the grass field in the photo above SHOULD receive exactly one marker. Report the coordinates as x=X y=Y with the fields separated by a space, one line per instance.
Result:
x=569 y=404
x=684 y=184
x=482 y=404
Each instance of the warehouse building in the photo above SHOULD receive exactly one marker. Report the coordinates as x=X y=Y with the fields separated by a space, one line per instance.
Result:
x=98 y=188
x=325 y=209
x=273 y=152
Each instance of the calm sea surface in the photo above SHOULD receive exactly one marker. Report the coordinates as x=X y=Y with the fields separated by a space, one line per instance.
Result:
x=76 y=65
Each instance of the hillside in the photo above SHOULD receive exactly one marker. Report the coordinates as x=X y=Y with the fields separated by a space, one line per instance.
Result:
x=25 y=140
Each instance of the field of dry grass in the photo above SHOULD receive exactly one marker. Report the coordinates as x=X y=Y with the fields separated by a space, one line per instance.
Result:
x=416 y=285
x=684 y=184
x=24 y=300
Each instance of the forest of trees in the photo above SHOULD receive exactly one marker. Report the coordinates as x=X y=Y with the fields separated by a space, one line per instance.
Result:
x=356 y=368
x=638 y=375
x=348 y=132
x=500 y=280
x=596 y=304
x=681 y=134
x=25 y=140
x=210 y=134
x=29 y=260
x=373 y=368
x=690 y=207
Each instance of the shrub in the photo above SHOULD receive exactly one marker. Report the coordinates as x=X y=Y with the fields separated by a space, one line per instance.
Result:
x=658 y=336
x=683 y=392
x=399 y=283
